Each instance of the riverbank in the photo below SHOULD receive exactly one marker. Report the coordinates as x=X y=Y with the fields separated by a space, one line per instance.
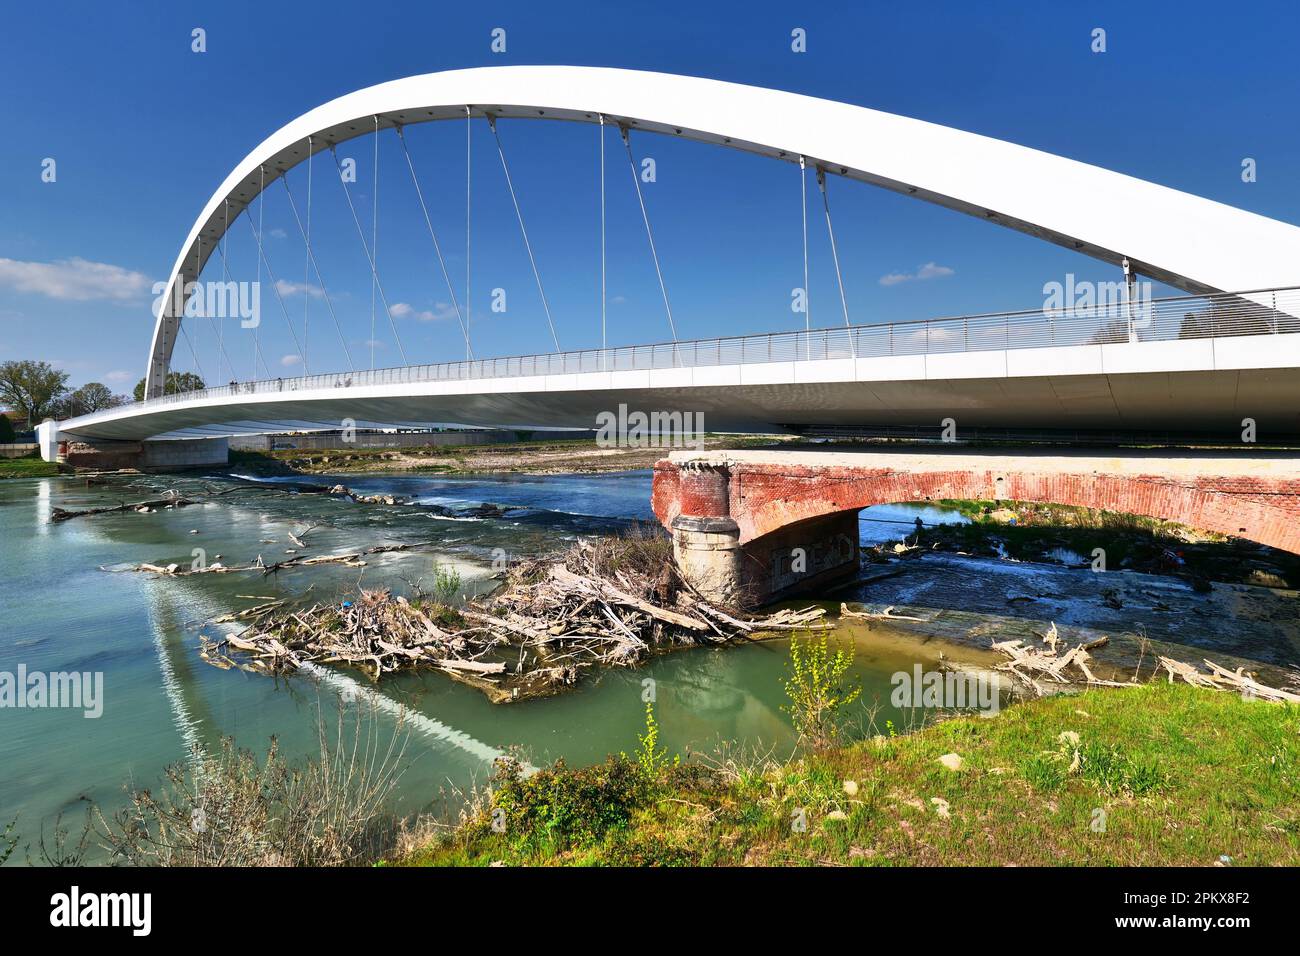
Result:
x=1152 y=775
x=30 y=467
x=549 y=457
x=1104 y=541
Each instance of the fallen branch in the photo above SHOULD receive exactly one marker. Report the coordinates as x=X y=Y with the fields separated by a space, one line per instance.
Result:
x=552 y=618
x=169 y=500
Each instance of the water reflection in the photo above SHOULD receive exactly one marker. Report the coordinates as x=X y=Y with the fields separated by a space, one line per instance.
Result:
x=63 y=612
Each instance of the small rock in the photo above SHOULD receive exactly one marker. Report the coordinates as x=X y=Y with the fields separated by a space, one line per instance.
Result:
x=941 y=807
x=837 y=815
x=851 y=787
x=952 y=761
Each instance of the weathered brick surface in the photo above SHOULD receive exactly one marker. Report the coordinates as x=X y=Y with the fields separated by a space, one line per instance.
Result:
x=762 y=498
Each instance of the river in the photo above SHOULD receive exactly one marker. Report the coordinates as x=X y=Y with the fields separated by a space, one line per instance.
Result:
x=68 y=606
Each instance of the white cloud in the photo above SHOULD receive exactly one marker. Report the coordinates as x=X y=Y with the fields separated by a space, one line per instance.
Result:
x=75 y=280
x=277 y=233
x=297 y=288
x=440 y=312
x=287 y=360
x=118 y=375
x=928 y=271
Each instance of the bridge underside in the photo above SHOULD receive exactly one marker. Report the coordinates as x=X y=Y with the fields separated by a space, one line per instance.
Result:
x=750 y=526
x=758 y=398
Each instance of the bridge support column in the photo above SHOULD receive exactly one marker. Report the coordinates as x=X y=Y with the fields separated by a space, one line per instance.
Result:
x=712 y=558
x=176 y=455
x=47 y=439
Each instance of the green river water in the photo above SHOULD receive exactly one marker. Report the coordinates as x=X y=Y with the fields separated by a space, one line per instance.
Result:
x=67 y=606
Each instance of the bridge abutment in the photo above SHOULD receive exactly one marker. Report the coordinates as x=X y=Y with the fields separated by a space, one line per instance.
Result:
x=174 y=455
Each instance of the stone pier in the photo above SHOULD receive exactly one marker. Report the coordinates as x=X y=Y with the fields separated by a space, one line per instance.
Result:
x=167 y=455
x=750 y=527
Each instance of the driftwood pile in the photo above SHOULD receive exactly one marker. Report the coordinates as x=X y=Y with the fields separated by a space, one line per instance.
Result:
x=1220 y=678
x=1051 y=664
x=552 y=619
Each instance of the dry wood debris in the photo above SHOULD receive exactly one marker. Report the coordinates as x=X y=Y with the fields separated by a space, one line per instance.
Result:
x=1220 y=678
x=608 y=603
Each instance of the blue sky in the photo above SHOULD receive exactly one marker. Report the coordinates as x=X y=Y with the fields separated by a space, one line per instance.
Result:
x=143 y=130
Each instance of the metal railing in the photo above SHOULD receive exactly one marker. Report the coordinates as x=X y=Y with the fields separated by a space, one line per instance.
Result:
x=1259 y=312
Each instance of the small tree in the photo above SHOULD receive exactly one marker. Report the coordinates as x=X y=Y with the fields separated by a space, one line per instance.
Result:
x=89 y=398
x=817 y=689
x=176 y=383
x=32 y=388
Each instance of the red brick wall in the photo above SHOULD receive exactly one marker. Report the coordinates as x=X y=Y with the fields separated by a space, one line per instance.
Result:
x=763 y=498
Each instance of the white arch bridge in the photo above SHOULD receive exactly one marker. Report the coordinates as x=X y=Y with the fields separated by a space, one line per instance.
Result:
x=1196 y=363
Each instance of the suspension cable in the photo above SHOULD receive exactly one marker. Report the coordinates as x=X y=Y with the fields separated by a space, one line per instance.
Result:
x=194 y=352
x=225 y=273
x=311 y=256
x=225 y=278
x=469 y=301
x=257 y=343
x=306 y=264
x=492 y=124
x=835 y=256
x=803 y=206
x=374 y=244
x=213 y=323
x=369 y=258
x=261 y=251
x=636 y=181
x=436 y=247
x=602 y=240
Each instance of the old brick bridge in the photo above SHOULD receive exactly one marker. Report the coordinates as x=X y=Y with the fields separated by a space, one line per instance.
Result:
x=737 y=517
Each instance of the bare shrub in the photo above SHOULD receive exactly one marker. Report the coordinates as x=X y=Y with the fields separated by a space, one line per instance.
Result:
x=230 y=808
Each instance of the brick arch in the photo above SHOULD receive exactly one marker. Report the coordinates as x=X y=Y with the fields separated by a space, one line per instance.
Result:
x=762 y=498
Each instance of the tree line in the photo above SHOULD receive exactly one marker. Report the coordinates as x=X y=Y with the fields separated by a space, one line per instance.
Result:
x=38 y=390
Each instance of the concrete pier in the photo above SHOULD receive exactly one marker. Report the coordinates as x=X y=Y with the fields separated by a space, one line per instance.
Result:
x=175 y=455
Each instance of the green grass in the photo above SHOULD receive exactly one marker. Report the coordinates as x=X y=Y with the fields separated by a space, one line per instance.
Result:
x=29 y=467
x=1158 y=775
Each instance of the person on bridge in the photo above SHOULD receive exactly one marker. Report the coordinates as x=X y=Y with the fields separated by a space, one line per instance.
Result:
x=919 y=525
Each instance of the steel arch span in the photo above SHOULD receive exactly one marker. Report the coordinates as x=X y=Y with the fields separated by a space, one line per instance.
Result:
x=1174 y=237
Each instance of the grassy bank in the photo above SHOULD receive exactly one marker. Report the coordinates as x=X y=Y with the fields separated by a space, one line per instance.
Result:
x=31 y=467
x=1158 y=775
